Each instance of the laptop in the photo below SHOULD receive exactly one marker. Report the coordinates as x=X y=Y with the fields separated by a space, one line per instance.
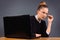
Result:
x=17 y=26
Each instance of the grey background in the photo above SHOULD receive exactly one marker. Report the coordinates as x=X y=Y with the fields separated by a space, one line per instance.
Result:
x=23 y=7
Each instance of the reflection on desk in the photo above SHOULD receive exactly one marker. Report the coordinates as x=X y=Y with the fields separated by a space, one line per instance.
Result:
x=49 y=38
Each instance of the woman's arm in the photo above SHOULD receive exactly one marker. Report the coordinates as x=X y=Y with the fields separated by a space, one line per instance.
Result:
x=50 y=19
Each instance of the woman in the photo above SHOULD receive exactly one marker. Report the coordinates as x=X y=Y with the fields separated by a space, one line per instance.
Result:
x=38 y=24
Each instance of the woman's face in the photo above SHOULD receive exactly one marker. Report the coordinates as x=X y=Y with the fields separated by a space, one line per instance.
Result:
x=42 y=13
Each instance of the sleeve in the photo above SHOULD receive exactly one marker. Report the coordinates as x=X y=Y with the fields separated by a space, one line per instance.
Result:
x=44 y=34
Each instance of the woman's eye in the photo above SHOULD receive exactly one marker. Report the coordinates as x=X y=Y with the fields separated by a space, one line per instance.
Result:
x=43 y=12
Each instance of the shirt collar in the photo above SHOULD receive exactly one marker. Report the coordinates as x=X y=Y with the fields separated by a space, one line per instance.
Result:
x=37 y=18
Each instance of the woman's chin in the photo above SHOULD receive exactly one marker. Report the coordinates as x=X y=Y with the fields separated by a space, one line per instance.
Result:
x=42 y=18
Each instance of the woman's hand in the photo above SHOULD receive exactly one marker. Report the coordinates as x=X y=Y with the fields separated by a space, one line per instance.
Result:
x=50 y=18
x=38 y=35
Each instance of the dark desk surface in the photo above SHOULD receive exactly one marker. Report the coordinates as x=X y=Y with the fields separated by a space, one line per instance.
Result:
x=49 y=38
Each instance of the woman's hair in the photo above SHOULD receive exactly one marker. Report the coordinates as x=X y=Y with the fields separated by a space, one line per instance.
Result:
x=42 y=4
